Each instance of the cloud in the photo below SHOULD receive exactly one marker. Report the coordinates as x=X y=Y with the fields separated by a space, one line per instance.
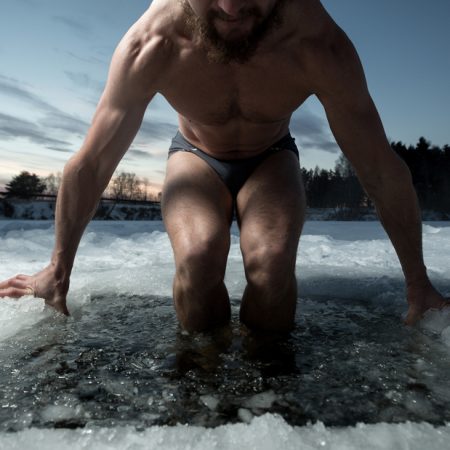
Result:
x=80 y=27
x=103 y=51
x=13 y=88
x=82 y=79
x=157 y=131
x=12 y=128
x=53 y=118
x=60 y=150
x=85 y=59
x=149 y=134
x=138 y=154
x=65 y=122
x=312 y=132
x=150 y=131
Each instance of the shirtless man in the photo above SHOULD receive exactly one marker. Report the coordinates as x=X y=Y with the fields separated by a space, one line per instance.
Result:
x=235 y=70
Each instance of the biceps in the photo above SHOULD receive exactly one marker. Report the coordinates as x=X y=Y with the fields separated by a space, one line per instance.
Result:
x=119 y=113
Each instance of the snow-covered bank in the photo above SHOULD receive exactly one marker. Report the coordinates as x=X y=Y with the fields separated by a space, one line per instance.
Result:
x=268 y=432
x=109 y=210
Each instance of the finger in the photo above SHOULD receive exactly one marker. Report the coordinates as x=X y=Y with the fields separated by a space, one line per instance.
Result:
x=15 y=288
x=5 y=284
x=14 y=282
x=11 y=281
x=22 y=277
x=24 y=286
x=14 y=292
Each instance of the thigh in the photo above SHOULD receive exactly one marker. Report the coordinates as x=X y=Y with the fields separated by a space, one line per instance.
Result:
x=271 y=207
x=196 y=205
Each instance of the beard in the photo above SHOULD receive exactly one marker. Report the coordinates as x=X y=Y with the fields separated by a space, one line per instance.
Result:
x=225 y=50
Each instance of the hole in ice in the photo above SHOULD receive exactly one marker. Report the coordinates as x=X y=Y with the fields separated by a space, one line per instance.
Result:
x=124 y=361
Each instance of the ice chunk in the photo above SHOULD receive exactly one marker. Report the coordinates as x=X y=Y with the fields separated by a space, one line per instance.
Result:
x=18 y=315
x=123 y=388
x=435 y=320
x=60 y=413
x=445 y=336
x=263 y=400
x=428 y=229
x=210 y=401
x=245 y=415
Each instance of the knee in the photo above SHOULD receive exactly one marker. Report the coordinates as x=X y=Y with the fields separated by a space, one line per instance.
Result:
x=270 y=266
x=202 y=262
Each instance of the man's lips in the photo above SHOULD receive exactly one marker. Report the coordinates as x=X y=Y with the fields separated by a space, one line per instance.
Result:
x=233 y=20
x=227 y=18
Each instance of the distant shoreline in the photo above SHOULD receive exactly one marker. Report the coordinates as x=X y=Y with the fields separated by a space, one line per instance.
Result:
x=110 y=209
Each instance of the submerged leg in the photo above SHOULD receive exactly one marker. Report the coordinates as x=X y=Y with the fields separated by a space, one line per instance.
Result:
x=197 y=209
x=271 y=208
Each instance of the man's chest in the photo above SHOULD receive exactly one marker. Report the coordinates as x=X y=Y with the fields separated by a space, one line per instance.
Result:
x=264 y=92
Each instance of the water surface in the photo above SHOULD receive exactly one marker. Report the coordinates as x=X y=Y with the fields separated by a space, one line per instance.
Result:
x=124 y=361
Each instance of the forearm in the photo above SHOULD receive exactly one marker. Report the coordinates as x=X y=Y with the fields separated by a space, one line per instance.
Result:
x=77 y=201
x=399 y=212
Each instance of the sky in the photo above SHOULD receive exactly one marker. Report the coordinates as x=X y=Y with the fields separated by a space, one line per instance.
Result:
x=54 y=59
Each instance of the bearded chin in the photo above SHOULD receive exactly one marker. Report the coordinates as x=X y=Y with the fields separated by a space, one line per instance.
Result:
x=226 y=50
x=222 y=50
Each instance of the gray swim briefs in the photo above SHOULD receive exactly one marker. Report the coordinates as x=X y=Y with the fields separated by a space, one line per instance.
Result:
x=234 y=173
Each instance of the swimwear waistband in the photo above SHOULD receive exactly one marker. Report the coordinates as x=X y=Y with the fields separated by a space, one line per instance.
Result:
x=287 y=142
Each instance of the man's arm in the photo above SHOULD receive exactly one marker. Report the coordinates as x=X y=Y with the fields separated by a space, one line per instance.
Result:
x=358 y=130
x=117 y=119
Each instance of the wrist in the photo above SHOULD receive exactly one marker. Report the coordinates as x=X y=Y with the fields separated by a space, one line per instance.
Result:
x=60 y=271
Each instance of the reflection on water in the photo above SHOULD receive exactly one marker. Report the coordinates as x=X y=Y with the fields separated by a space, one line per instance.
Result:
x=124 y=361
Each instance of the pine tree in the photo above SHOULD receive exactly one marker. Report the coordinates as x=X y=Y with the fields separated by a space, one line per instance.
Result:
x=25 y=185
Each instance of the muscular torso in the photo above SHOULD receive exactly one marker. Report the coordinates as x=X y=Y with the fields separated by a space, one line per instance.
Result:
x=235 y=110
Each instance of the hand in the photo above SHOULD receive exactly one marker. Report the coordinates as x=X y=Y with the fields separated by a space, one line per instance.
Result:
x=422 y=298
x=44 y=285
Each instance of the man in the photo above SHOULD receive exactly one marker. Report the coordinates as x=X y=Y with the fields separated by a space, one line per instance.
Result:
x=235 y=71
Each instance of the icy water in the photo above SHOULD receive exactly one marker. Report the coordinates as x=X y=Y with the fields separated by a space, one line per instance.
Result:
x=124 y=361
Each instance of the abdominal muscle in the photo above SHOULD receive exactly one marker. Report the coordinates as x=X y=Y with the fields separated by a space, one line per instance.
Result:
x=236 y=139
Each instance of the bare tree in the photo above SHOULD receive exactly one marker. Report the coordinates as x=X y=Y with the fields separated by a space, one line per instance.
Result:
x=52 y=183
x=145 y=185
x=126 y=186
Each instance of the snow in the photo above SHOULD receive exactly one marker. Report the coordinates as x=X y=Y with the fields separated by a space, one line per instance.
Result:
x=352 y=260
x=267 y=432
x=45 y=210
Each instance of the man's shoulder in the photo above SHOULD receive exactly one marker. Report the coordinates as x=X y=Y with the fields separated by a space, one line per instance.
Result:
x=317 y=30
x=325 y=49
x=150 y=44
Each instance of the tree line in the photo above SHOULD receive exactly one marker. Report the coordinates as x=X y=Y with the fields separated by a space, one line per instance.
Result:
x=123 y=186
x=338 y=188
